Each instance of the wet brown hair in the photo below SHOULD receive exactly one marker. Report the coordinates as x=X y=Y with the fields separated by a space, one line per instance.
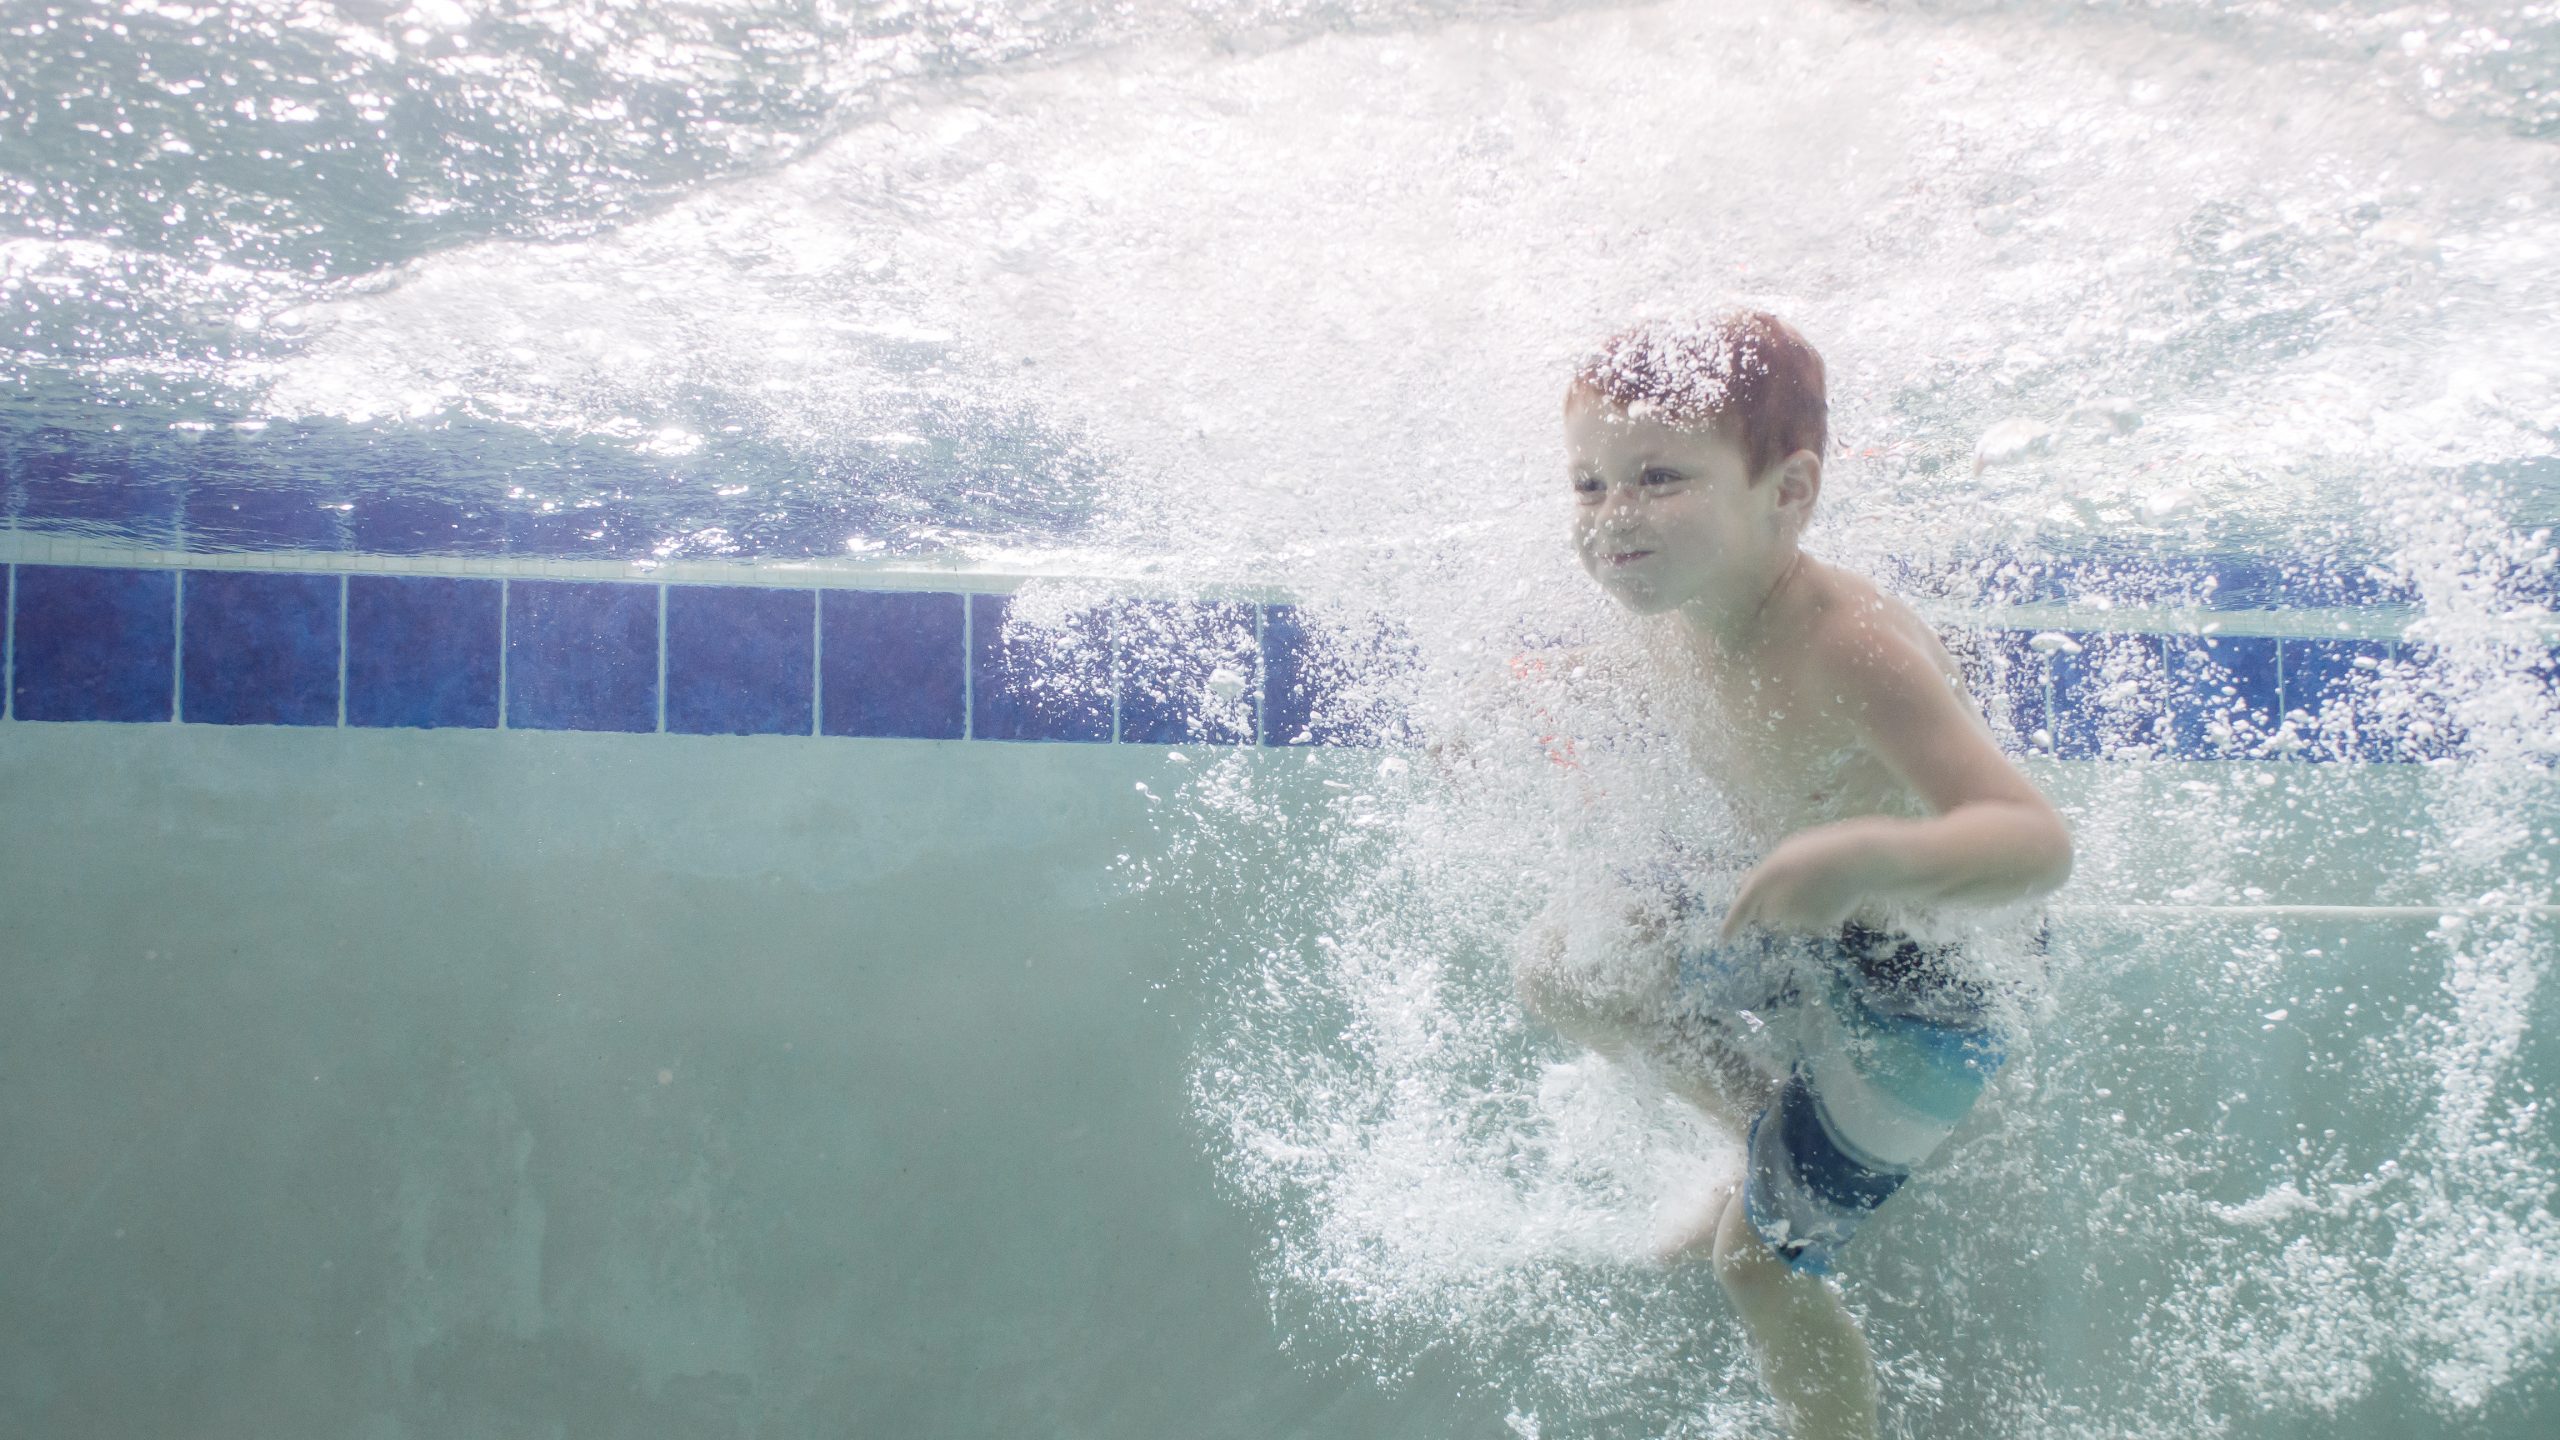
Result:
x=1746 y=371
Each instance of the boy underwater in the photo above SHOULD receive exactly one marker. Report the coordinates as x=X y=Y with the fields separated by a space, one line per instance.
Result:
x=1840 y=1049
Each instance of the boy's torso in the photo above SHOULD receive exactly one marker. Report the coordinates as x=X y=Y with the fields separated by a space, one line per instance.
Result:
x=1786 y=755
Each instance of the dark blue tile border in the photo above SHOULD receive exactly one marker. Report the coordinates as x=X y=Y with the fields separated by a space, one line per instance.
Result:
x=422 y=652
x=582 y=655
x=1187 y=673
x=2106 y=695
x=261 y=649
x=1310 y=675
x=94 y=643
x=2222 y=693
x=233 y=646
x=1033 y=684
x=2329 y=688
x=894 y=663
x=739 y=660
x=249 y=517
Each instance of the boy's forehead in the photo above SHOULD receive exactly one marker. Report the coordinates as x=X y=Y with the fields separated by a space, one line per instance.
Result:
x=1597 y=424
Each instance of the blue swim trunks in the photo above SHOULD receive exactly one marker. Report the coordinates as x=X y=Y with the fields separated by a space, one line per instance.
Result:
x=1892 y=1044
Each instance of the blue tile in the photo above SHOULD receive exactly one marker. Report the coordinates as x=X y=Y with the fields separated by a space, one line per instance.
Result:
x=2008 y=678
x=582 y=656
x=2120 y=579
x=2222 y=693
x=739 y=659
x=1039 y=682
x=259 y=649
x=1186 y=673
x=1295 y=678
x=2106 y=695
x=2330 y=685
x=614 y=530
x=1324 y=686
x=393 y=523
x=2246 y=584
x=2421 y=725
x=257 y=517
x=893 y=664
x=88 y=485
x=2298 y=583
x=95 y=644
x=422 y=652
x=2002 y=580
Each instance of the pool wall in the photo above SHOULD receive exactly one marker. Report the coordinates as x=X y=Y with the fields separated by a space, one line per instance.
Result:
x=412 y=1028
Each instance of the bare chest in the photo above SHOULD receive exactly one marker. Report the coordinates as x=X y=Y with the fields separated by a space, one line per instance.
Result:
x=1785 y=763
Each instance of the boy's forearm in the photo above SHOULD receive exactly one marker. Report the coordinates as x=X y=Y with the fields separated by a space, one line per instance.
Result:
x=1989 y=852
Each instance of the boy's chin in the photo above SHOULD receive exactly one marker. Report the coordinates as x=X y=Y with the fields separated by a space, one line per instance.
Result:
x=1640 y=598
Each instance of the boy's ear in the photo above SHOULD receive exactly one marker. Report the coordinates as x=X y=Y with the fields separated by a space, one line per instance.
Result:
x=1799 y=483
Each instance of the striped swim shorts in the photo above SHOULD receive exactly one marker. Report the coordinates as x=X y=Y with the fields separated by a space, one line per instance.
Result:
x=1893 y=1047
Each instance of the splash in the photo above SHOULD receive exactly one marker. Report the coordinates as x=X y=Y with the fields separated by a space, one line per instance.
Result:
x=2248 y=1163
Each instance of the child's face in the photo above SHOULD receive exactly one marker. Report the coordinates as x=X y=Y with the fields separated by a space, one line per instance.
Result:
x=1663 y=515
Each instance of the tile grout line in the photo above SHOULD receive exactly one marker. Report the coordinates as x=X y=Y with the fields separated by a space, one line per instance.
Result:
x=817 y=662
x=968 y=667
x=662 y=659
x=1111 y=665
x=9 y=653
x=1261 y=677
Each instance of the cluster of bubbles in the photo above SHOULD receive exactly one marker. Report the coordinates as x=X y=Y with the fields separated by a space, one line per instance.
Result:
x=2247 y=1169
x=2250 y=1168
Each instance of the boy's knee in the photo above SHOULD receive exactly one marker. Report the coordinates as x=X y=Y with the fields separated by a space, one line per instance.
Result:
x=1547 y=990
x=1543 y=992
x=1743 y=1260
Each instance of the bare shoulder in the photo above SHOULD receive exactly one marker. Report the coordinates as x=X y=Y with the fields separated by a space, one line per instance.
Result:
x=1892 y=677
x=1861 y=637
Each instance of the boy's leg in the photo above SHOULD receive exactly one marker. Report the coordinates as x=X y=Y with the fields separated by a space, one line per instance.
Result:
x=1809 y=1349
x=1566 y=1001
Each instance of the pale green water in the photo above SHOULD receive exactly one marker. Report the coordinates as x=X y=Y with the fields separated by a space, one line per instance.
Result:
x=520 y=1084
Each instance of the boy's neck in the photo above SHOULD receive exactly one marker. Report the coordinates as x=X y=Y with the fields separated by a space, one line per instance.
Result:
x=1729 y=624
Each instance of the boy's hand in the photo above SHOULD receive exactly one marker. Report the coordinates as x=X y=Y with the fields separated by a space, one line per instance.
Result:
x=1810 y=883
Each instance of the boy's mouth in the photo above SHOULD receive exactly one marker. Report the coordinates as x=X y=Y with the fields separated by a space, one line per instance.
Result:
x=1624 y=557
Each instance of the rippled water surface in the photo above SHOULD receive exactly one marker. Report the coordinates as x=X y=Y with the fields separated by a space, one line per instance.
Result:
x=1120 y=281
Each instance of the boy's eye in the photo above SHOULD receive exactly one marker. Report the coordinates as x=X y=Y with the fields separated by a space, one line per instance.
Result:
x=1586 y=485
x=1663 y=477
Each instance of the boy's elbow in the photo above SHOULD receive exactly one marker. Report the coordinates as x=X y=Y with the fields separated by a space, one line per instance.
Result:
x=2059 y=854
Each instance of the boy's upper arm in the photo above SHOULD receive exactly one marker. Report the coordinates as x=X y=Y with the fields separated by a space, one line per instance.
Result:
x=1916 y=718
